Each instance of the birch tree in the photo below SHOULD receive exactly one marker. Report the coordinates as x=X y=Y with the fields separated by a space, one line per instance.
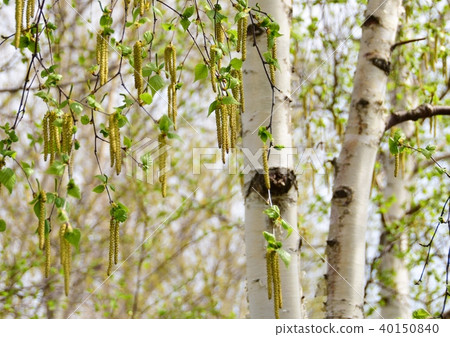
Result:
x=267 y=105
x=354 y=167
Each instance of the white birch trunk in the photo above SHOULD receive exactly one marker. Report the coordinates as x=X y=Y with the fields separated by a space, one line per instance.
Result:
x=258 y=100
x=366 y=123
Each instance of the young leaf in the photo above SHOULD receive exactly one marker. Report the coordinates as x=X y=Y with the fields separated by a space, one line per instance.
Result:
x=73 y=190
x=164 y=124
x=201 y=72
x=99 y=189
x=73 y=237
x=421 y=314
x=285 y=256
x=270 y=238
x=8 y=178
x=287 y=227
x=273 y=212
x=146 y=97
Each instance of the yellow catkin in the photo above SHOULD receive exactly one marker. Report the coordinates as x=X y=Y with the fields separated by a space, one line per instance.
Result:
x=47 y=255
x=141 y=7
x=162 y=141
x=116 y=242
x=396 y=164
x=67 y=261
x=19 y=18
x=233 y=127
x=112 y=142
x=112 y=244
x=224 y=133
x=138 y=80
x=220 y=38
x=45 y=136
x=118 y=155
x=219 y=128
x=170 y=57
x=98 y=49
x=266 y=166
x=244 y=38
x=213 y=54
x=276 y=284
x=241 y=91
x=30 y=11
x=54 y=146
x=269 y=271
x=65 y=255
x=104 y=60
x=273 y=50
x=42 y=214
x=239 y=36
x=67 y=132
x=277 y=280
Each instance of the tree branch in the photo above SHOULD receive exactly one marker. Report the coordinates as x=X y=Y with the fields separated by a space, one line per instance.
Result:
x=422 y=111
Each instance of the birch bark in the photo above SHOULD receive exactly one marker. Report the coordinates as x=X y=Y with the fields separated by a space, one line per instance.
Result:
x=366 y=124
x=258 y=102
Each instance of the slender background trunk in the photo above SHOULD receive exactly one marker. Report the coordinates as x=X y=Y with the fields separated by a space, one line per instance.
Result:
x=258 y=96
x=366 y=124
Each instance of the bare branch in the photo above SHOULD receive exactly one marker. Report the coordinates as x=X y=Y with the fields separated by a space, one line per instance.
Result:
x=422 y=111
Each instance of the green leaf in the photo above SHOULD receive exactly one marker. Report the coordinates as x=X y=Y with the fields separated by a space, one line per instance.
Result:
x=393 y=146
x=286 y=226
x=73 y=237
x=106 y=21
x=188 y=12
x=93 y=103
x=212 y=107
x=185 y=23
x=168 y=26
x=421 y=314
x=270 y=238
x=278 y=147
x=156 y=83
x=273 y=212
x=236 y=63
x=8 y=178
x=99 y=189
x=201 y=71
x=285 y=256
x=264 y=134
x=230 y=100
x=57 y=168
x=164 y=124
x=59 y=202
x=85 y=119
x=102 y=177
x=2 y=225
x=172 y=135
x=146 y=97
x=73 y=190
x=148 y=37
x=27 y=168
x=76 y=107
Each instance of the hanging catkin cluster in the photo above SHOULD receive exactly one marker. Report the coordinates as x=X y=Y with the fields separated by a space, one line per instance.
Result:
x=226 y=124
x=170 y=58
x=65 y=254
x=102 y=56
x=162 y=158
x=238 y=91
x=242 y=37
x=138 y=79
x=113 y=243
x=274 y=281
x=42 y=199
x=30 y=11
x=114 y=142
x=19 y=18
x=67 y=133
x=273 y=51
x=51 y=136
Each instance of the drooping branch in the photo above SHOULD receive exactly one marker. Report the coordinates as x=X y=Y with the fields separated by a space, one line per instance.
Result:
x=422 y=111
